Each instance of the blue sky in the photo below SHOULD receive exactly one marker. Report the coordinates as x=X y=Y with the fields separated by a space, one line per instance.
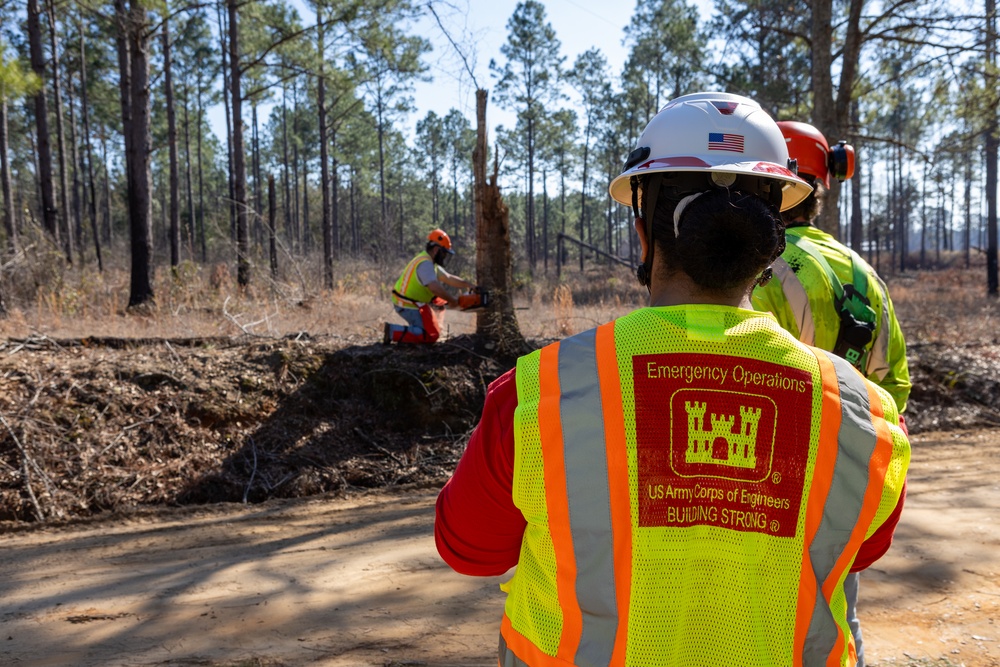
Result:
x=579 y=25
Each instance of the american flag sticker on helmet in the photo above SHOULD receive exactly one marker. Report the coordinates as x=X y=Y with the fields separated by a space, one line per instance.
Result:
x=725 y=142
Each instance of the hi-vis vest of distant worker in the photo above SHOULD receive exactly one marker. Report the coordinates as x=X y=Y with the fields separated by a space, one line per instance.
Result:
x=812 y=275
x=695 y=493
x=409 y=287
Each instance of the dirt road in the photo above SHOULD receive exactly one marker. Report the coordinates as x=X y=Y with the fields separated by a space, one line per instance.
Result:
x=357 y=582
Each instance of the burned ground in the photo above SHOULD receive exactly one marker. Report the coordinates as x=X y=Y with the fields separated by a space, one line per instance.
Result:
x=101 y=426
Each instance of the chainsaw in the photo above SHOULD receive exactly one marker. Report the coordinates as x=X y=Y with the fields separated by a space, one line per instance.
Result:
x=475 y=300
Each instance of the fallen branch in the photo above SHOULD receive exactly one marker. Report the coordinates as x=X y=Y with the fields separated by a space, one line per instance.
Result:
x=253 y=473
x=25 y=470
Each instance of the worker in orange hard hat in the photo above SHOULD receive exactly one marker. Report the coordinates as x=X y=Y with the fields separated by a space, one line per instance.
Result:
x=828 y=296
x=420 y=295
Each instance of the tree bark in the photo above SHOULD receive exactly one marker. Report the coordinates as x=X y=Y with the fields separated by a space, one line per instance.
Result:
x=9 y=210
x=201 y=180
x=188 y=179
x=223 y=31
x=992 y=141
x=272 y=208
x=335 y=196
x=284 y=167
x=76 y=170
x=85 y=112
x=133 y=59
x=239 y=159
x=43 y=149
x=64 y=213
x=324 y=168
x=496 y=325
x=173 y=204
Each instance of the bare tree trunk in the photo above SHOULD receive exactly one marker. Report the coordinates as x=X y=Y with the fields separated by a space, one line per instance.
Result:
x=497 y=324
x=239 y=159
x=324 y=168
x=284 y=167
x=201 y=180
x=857 y=189
x=968 y=211
x=85 y=112
x=223 y=31
x=335 y=191
x=9 y=210
x=174 y=204
x=43 y=149
x=545 y=222
x=109 y=228
x=133 y=58
x=296 y=235
x=306 y=222
x=992 y=141
x=192 y=238
x=64 y=213
x=923 y=219
x=381 y=170
x=258 y=186
x=76 y=170
x=272 y=244
x=529 y=212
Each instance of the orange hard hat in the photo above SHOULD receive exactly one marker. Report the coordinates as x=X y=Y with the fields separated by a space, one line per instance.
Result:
x=809 y=148
x=439 y=237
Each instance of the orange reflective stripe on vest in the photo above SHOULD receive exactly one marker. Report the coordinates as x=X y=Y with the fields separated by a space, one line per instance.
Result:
x=572 y=393
x=409 y=286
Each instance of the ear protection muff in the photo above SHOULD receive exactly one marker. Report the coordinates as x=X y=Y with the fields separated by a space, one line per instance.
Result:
x=840 y=161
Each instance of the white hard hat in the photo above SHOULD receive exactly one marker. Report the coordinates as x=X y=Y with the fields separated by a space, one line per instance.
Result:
x=719 y=133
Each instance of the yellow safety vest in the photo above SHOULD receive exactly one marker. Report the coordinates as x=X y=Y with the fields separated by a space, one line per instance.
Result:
x=691 y=484
x=415 y=292
x=802 y=299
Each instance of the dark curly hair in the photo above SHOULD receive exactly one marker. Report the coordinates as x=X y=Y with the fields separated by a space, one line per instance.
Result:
x=726 y=238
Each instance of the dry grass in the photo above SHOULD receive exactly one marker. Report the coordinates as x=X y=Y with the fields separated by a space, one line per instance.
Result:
x=44 y=297
x=197 y=301
x=948 y=306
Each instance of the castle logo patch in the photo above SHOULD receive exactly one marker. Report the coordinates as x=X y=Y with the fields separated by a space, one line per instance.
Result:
x=721 y=441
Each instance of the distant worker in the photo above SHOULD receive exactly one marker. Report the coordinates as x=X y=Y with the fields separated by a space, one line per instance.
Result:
x=828 y=296
x=420 y=295
x=687 y=485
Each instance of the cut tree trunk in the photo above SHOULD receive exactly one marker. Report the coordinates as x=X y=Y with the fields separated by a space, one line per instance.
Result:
x=496 y=325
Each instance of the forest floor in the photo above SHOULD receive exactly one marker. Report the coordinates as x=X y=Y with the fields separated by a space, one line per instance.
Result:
x=268 y=500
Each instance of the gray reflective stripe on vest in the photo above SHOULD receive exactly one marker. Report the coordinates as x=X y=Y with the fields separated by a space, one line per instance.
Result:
x=798 y=300
x=878 y=359
x=507 y=658
x=856 y=442
x=589 y=500
x=588 y=497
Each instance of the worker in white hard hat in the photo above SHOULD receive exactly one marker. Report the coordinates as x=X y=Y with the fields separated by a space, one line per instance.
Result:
x=687 y=484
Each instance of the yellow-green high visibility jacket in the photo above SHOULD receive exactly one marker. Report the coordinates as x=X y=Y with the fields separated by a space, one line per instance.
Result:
x=410 y=287
x=802 y=299
x=696 y=485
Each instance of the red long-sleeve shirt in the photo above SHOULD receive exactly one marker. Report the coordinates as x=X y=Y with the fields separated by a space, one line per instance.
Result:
x=478 y=529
